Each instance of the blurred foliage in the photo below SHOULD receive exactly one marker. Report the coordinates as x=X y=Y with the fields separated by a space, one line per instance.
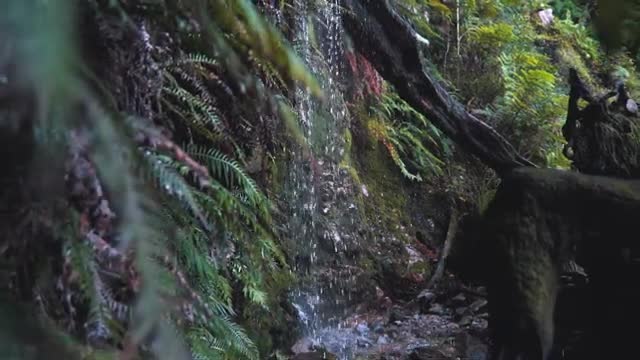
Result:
x=194 y=225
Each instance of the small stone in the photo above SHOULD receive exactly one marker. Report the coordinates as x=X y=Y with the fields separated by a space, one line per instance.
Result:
x=364 y=342
x=436 y=309
x=397 y=313
x=383 y=340
x=460 y=298
x=479 y=324
x=426 y=296
x=631 y=106
x=302 y=346
x=478 y=304
x=461 y=310
x=466 y=320
x=378 y=327
x=546 y=16
x=362 y=329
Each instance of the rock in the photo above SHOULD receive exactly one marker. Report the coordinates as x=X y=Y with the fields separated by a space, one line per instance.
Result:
x=437 y=309
x=461 y=310
x=466 y=320
x=425 y=299
x=460 y=298
x=364 y=342
x=378 y=327
x=479 y=324
x=631 y=106
x=383 y=340
x=424 y=353
x=546 y=16
x=470 y=347
x=362 y=329
x=477 y=305
x=426 y=296
x=302 y=346
x=397 y=314
x=316 y=355
x=365 y=192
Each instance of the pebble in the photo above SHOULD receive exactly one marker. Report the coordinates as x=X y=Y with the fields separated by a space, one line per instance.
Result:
x=426 y=296
x=478 y=304
x=362 y=329
x=479 y=324
x=460 y=298
x=436 y=309
x=466 y=320
x=378 y=327
x=383 y=340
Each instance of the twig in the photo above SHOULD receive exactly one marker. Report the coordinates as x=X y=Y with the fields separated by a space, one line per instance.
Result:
x=446 y=248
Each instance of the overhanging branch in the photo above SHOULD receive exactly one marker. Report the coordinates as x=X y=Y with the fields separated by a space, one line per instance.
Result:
x=390 y=44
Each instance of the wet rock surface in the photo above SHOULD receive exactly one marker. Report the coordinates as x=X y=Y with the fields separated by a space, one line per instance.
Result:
x=432 y=326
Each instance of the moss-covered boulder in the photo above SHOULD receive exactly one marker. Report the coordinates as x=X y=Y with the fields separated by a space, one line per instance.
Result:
x=537 y=218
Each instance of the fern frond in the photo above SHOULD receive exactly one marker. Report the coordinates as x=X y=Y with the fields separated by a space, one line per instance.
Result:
x=197 y=106
x=197 y=59
x=173 y=184
x=232 y=174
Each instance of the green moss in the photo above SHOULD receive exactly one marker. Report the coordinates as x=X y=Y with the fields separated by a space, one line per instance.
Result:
x=346 y=162
x=387 y=195
x=277 y=172
x=419 y=267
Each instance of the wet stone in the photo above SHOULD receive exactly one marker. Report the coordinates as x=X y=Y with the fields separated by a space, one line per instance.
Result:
x=426 y=296
x=364 y=342
x=437 y=309
x=362 y=329
x=478 y=304
x=316 y=355
x=383 y=340
x=378 y=327
x=460 y=298
x=479 y=324
x=466 y=320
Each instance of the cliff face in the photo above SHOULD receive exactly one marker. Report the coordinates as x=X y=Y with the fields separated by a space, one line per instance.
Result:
x=180 y=158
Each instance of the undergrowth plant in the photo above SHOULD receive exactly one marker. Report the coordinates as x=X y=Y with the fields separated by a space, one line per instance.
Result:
x=162 y=232
x=415 y=145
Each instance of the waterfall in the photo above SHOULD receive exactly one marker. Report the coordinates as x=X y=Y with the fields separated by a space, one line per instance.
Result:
x=321 y=217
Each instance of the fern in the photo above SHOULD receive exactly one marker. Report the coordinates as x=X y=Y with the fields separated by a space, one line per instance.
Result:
x=173 y=184
x=407 y=135
x=159 y=208
x=203 y=112
x=232 y=174
x=197 y=59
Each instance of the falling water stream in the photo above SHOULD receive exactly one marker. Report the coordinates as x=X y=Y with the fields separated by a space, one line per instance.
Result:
x=321 y=217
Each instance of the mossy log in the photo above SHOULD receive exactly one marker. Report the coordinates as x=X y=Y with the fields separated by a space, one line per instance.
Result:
x=531 y=228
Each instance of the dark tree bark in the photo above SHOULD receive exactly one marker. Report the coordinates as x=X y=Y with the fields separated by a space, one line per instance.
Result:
x=603 y=137
x=390 y=44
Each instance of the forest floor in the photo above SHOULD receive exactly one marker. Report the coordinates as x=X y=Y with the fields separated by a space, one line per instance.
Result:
x=445 y=324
